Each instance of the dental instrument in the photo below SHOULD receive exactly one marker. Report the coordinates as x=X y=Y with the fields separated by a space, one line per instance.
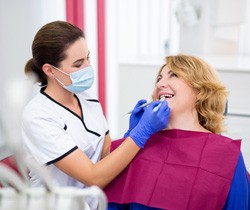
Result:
x=146 y=104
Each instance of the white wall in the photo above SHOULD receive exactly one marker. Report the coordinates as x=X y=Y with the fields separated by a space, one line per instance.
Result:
x=19 y=21
x=90 y=30
x=137 y=31
x=234 y=72
x=219 y=29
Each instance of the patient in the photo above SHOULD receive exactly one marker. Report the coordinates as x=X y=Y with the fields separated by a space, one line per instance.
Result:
x=189 y=165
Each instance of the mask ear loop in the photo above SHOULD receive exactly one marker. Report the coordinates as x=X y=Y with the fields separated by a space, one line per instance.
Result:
x=60 y=82
x=61 y=72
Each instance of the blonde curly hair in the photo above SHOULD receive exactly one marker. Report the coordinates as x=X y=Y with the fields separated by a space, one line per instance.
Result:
x=212 y=94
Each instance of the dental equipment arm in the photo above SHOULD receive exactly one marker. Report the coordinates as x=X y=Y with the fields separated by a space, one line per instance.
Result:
x=9 y=176
x=145 y=104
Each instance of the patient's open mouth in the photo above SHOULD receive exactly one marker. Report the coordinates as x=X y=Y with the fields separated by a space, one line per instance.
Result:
x=166 y=96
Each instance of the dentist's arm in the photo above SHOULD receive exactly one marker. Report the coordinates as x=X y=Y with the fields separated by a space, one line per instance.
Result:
x=80 y=167
x=106 y=146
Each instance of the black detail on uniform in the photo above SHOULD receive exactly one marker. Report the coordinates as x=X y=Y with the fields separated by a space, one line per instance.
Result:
x=90 y=131
x=81 y=118
x=61 y=157
x=93 y=100
x=65 y=127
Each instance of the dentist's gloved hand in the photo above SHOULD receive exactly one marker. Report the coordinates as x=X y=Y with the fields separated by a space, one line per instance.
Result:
x=135 y=116
x=152 y=121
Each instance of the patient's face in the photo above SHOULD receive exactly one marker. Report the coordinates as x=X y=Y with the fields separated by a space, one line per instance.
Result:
x=181 y=97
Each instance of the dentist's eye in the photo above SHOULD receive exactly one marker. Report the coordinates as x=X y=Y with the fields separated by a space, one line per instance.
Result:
x=78 y=64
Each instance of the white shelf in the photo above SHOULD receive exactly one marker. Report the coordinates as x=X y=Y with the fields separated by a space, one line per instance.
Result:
x=228 y=62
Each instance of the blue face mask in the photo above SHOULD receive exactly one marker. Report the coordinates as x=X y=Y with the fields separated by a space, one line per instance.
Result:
x=81 y=79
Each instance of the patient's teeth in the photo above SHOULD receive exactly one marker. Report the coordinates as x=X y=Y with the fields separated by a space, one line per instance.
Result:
x=162 y=98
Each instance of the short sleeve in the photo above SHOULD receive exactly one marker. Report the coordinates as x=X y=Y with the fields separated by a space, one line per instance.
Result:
x=45 y=137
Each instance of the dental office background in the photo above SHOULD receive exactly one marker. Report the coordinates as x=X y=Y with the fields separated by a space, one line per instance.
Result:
x=128 y=40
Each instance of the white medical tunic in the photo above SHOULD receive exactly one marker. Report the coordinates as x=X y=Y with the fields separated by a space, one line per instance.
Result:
x=51 y=131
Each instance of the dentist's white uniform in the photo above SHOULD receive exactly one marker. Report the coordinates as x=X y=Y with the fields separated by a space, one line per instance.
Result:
x=50 y=132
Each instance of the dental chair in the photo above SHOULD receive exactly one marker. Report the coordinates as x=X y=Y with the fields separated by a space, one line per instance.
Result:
x=11 y=163
x=16 y=192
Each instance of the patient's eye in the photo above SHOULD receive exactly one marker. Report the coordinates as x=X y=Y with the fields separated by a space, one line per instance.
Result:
x=172 y=74
x=158 y=78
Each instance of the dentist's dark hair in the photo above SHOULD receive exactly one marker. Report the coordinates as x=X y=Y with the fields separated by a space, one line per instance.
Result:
x=49 y=46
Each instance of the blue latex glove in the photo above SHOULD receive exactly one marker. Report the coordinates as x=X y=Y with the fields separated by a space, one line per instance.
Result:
x=135 y=116
x=153 y=120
